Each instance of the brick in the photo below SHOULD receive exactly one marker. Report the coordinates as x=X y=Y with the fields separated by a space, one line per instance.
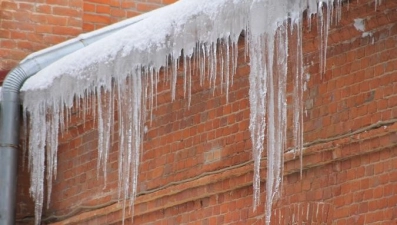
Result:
x=8 y=44
x=96 y=19
x=128 y=4
x=65 y=11
x=54 y=39
x=21 y=16
x=6 y=15
x=11 y=25
x=55 y=2
x=4 y=33
x=25 y=45
x=145 y=7
x=169 y=1
x=15 y=54
x=57 y=20
x=44 y=29
x=89 y=7
x=88 y=27
x=103 y=9
x=43 y=8
x=132 y=14
x=73 y=22
x=76 y=4
x=117 y=12
x=9 y=5
x=59 y=30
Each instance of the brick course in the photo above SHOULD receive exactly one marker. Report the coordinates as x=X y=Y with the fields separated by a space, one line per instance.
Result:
x=196 y=165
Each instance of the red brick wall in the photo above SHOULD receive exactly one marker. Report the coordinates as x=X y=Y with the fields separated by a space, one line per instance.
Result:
x=196 y=166
x=357 y=89
x=28 y=26
x=100 y=13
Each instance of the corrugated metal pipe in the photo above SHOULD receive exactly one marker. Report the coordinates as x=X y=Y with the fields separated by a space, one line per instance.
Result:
x=10 y=108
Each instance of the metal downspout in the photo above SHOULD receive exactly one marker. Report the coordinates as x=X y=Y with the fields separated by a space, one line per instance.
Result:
x=10 y=108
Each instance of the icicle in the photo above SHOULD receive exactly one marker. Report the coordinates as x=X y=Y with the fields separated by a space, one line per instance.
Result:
x=189 y=80
x=235 y=58
x=276 y=132
x=36 y=165
x=94 y=104
x=101 y=132
x=151 y=93
x=324 y=23
x=52 y=148
x=121 y=89
x=105 y=124
x=222 y=65
x=25 y=131
x=338 y=9
x=184 y=75
x=214 y=64
x=257 y=97
x=175 y=64
x=298 y=94
x=377 y=3
x=131 y=104
x=156 y=82
x=227 y=68
x=202 y=59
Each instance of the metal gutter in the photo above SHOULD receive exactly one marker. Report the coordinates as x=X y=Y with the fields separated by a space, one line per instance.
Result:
x=10 y=109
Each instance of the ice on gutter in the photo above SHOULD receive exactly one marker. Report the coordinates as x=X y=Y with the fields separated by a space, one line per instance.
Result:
x=138 y=52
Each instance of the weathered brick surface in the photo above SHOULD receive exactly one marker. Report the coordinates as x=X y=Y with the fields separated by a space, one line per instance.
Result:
x=196 y=166
x=28 y=26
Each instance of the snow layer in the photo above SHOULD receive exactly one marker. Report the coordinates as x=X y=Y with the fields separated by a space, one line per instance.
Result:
x=359 y=24
x=125 y=66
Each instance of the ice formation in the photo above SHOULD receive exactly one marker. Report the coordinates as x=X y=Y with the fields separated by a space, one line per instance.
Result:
x=359 y=24
x=123 y=71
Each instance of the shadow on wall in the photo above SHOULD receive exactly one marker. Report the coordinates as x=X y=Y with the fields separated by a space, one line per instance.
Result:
x=3 y=74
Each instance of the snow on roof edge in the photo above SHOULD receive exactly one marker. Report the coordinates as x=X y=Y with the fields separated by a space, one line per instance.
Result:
x=101 y=52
